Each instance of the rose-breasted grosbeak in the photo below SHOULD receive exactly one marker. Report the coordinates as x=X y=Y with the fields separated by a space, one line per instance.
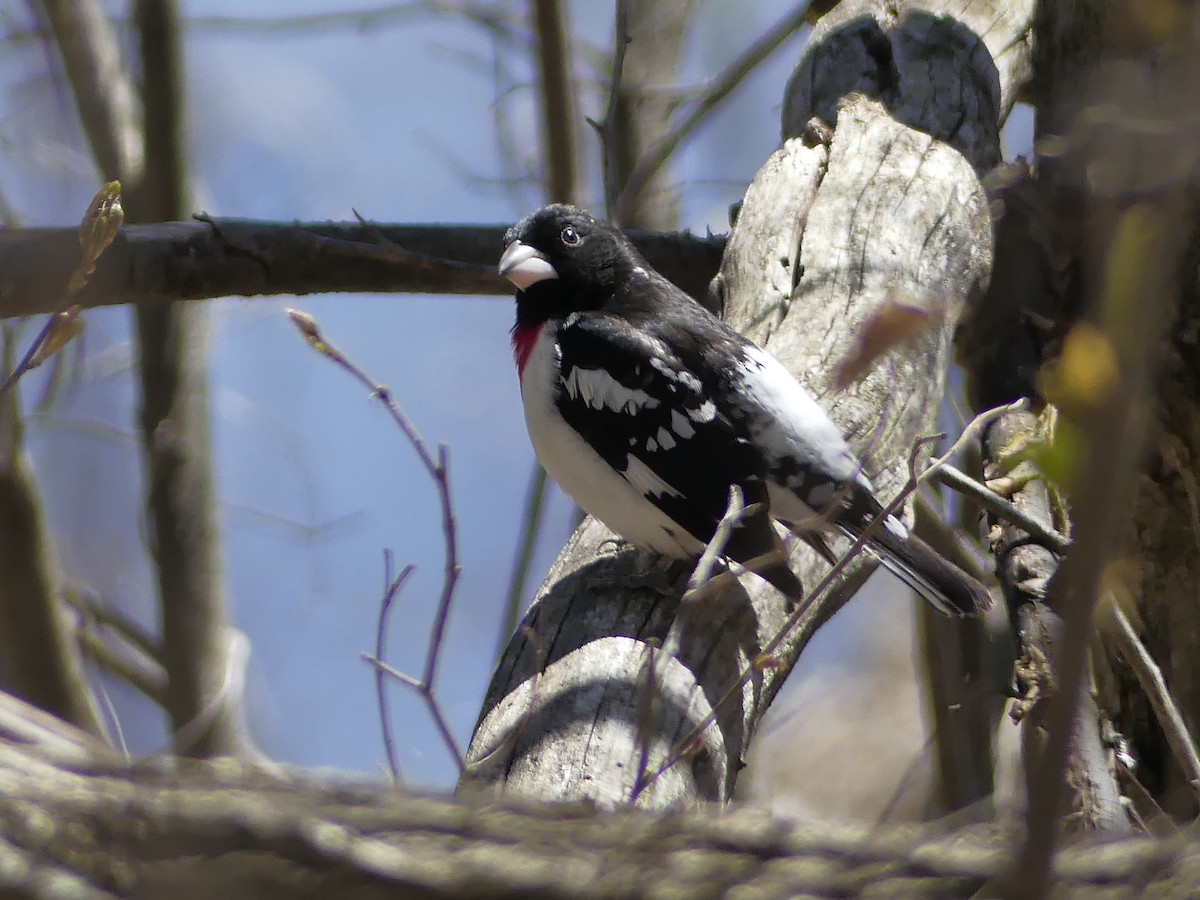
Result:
x=646 y=408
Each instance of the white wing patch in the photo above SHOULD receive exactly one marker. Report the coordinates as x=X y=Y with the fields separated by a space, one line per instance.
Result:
x=681 y=426
x=687 y=379
x=791 y=423
x=642 y=477
x=599 y=390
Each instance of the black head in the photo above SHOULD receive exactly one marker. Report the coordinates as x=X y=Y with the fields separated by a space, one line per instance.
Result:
x=563 y=259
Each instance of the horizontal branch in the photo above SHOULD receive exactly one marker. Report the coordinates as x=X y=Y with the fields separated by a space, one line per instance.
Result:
x=209 y=258
x=69 y=817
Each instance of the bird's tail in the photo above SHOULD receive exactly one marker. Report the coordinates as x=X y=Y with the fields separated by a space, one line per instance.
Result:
x=945 y=586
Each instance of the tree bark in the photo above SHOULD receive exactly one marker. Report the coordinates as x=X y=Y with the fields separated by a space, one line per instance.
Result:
x=75 y=822
x=210 y=258
x=181 y=502
x=40 y=660
x=643 y=110
x=585 y=706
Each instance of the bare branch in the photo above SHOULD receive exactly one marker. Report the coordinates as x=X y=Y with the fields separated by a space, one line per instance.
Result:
x=531 y=527
x=391 y=590
x=559 y=126
x=42 y=663
x=236 y=257
x=439 y=472
x=126 y=662
x=717 y=90
x=104 y=95
x=607 y=130
x=200 y=650
x=1001 y=507
x=1150 y=677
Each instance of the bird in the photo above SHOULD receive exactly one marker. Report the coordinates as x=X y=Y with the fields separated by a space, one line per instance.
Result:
x=646 y=409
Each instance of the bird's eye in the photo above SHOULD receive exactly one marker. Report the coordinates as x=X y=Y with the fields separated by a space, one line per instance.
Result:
x=570 y=236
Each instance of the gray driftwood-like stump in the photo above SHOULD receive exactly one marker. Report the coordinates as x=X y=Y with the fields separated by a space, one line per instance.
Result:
x=77 y=822
x=891 y=202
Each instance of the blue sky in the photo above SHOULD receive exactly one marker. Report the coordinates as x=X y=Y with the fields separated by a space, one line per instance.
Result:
x=397 y=123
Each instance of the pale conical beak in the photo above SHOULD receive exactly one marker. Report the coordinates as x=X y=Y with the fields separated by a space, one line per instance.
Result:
x=524 y=266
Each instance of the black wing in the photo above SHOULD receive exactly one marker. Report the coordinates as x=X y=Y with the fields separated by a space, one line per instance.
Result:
x=645 y=412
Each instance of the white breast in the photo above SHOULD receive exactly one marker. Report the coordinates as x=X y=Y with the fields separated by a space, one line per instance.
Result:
x=580 y=471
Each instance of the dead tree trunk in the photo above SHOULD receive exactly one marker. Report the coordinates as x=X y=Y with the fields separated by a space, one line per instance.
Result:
x=582 y=704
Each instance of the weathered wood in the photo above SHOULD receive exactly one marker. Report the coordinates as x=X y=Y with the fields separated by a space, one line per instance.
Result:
x=89 y=828
x=824 y=233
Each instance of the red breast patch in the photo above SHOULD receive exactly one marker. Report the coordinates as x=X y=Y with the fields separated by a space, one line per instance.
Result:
x=523 y=339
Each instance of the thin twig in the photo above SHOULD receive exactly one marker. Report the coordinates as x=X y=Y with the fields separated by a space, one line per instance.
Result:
x=147 y=676
x=535 y=688
x=717 y=90
x=90 y=606
x=224 y=699
x=608 y=128
x=117 y=734
x=390 y=591
x=974 y=427
x=26 y=362
x=735 y=512
x=1001 y=507
x=701 y=582
x=645 y=711
x=1150 y=677
x=531 y=526
x=386 y=249
x=558 y=101
x=439 y=472
x=451 y=570
x=404 y=677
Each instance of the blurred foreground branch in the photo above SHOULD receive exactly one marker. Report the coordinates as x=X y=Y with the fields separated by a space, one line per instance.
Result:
x=75 y=820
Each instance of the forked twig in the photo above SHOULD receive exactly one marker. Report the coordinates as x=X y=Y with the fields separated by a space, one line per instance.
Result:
x=391 y=590
x=607 y=130
x=717 y=90
x=1001 y=507
x=439 y=472
x=735 y=511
